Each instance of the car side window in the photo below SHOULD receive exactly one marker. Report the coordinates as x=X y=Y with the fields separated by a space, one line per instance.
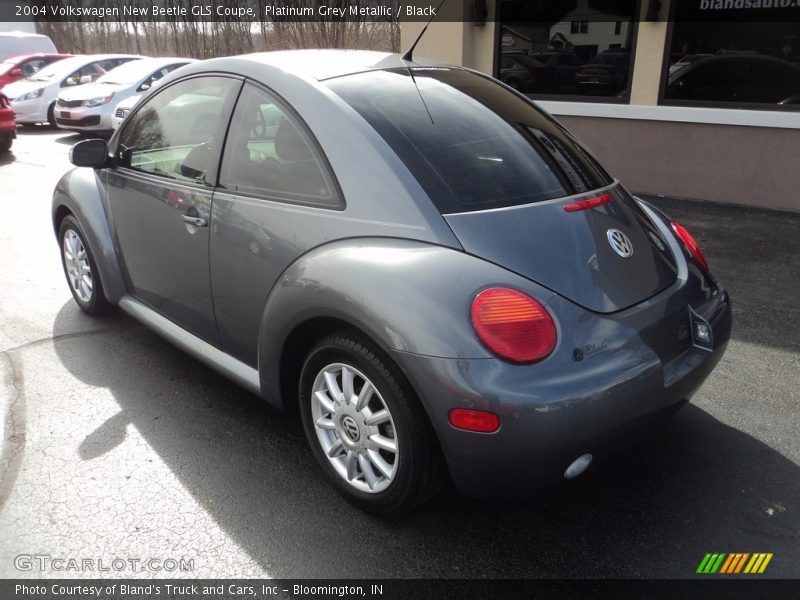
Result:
x=32 y=66
x=86 y=74
x=174 y=134
x=148 y=83
x=268 y=153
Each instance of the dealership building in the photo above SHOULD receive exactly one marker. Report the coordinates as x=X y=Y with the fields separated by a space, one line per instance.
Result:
x=688 y=98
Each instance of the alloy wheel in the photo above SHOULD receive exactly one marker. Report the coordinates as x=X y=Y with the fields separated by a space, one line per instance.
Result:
x=76 y=263
x=355 y=428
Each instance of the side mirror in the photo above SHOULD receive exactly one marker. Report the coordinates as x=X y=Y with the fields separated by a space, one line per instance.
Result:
x=87 y=79
x=145 y=86
x=89 y=153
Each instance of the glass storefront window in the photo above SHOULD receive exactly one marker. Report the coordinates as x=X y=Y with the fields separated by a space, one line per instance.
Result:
x=734 y=65
x=582 y=50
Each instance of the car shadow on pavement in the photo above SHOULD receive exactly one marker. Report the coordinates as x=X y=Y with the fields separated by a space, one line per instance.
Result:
x=68 y=138
x=695 y=485
x=36 y=129
x=6 y=158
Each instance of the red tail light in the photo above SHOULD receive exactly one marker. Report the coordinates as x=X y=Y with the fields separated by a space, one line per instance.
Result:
x=513 y=325
x=588 y=203
x=691 y=245
x=474 y=420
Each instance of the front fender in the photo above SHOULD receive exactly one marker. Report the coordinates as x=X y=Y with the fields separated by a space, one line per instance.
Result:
x=81 y=192
x=406 y=295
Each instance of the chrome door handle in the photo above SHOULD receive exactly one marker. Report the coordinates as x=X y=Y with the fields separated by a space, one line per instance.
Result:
x=196 y=221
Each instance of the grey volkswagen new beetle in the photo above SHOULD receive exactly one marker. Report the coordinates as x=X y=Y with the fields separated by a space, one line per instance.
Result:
x=428 y=268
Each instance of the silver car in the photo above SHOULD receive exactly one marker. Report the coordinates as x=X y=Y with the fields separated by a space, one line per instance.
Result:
x=428 y=269
x=34 y=99
x=90 y=107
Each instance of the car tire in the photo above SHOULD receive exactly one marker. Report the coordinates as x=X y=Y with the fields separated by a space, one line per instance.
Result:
x=51 y=116
x=353 y=443
x=80 y=269
x=5 y=145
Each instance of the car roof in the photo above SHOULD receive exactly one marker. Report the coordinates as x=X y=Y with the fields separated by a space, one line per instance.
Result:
x=85 y=59
x=716 y=59
x=145 y=62
x=327 y=64
x=23 y=57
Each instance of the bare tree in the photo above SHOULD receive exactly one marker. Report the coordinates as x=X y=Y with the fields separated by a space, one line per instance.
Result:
x=207 y=37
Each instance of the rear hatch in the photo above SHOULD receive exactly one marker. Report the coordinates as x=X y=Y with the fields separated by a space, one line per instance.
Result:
x=500 y=171
x=572 y=253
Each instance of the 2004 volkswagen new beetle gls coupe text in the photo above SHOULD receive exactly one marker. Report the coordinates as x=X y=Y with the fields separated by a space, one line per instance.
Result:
x=429 y=269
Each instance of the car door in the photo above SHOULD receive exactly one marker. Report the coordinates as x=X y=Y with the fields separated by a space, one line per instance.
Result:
x=160 y=196
x=275 y=188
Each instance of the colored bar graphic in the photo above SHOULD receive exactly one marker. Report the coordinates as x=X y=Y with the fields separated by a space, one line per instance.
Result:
x=765 y=563
x=703 y=563
x=731 y=560
x=717 y=564
x=741 y=562
x=731 y=563
x=754 y=564
x=722 y=563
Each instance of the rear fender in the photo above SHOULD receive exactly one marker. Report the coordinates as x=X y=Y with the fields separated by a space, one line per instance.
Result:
x=81 y=193
x=407 y=296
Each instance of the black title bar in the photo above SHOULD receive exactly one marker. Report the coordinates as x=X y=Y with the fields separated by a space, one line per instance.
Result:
x=473 y=11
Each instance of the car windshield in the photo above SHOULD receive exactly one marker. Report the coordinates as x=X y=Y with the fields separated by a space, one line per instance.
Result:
x=130 y=72
x=471 y=143
x=61 y=67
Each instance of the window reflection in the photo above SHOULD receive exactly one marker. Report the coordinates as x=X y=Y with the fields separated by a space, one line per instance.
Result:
x=172 y=135
x=472 y=145
x=583 y=50
x=268 y=154
x=734 y=64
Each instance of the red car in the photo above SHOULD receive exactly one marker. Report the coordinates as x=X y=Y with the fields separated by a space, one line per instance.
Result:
x=8 y=126
x=14 y=68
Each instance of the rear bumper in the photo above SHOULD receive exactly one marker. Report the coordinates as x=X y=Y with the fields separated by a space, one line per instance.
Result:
x=8 y=127
x=557 y=410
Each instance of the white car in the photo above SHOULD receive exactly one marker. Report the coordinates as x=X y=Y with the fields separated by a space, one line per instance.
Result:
x=34 y=99
x=123 y=109
x=91 y=107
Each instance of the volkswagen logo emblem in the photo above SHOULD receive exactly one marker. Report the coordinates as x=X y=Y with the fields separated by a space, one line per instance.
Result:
x=620 y=243
x=350 y=428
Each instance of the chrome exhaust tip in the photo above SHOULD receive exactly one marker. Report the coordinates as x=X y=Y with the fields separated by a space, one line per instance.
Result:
x=578 y=466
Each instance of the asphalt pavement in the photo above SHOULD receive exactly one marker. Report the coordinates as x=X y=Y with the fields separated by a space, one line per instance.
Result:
x=117 y=445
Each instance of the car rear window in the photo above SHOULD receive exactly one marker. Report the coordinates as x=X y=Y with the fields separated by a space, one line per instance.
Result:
x=471 y=143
